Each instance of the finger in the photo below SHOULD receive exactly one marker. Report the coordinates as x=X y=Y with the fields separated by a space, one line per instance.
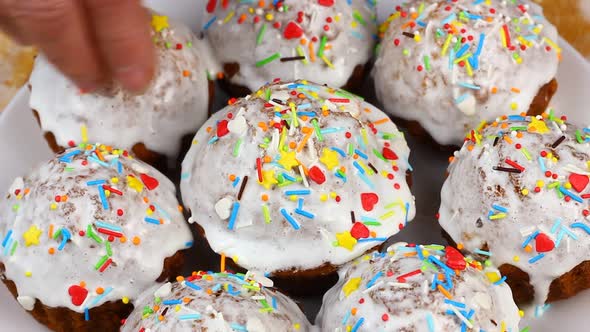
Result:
x=122 y=34
x=57 y=27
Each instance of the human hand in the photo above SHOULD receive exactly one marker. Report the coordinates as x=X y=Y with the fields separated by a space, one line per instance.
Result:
x=91 y=41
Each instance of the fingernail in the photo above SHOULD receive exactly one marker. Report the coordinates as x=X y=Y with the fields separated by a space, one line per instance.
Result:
x=133 y=78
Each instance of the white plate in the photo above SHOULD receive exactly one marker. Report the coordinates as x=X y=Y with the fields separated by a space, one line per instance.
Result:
x=22 y=146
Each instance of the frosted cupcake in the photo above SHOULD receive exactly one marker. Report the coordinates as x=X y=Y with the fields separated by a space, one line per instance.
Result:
x=517 y=192
x=418 y=288
x=324 y=41
x=297 y=179
x=445 y=66
x=150 y=125
x=85 y=233
x=208 y=301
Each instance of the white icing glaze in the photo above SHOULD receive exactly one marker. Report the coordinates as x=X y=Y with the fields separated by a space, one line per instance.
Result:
x=207 y=188
x=235 y=302
x=171 y=107
x=371 y=286
x=350 y=43
x=473 y=187
x=29 y=213
x=436 y=97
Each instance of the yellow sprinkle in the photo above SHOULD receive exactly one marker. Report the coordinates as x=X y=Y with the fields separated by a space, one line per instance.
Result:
x=323 y=197
x=125 y=299
x=446 y=44
x=568 y=185
x=115 y=180
x=351 y=285
x=296 y=326
x=28 y=273
x=540 y=183
x=514 y=106
x=84 y=132
x=293 y=198
x=525 y=191
x=53 y=206
x=516 y=258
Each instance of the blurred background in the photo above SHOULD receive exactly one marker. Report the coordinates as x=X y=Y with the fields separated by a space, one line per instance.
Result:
x=572 y=18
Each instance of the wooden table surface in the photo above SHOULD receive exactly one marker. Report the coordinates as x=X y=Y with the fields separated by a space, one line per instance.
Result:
x=572 y=18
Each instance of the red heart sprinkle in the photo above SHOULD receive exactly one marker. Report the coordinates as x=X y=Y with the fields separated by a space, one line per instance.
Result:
x=222 y=128
x=543 y=243
x=369 y=200
x=455 y=259
x=389 y=154
x=292 y=31
x=316 y=174
x=211 y=6
x=78 y=294
x=579 y=181
x=150 y=182
x=359 y=231
x=327 y=3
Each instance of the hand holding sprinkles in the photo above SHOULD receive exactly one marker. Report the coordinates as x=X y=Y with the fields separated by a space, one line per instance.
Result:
x=421 y=288
x=323 y=41
x=517 y=192
x=316 y=177
x=174 y=104
x=88 y=231
x=216 y=302
x=463 y=61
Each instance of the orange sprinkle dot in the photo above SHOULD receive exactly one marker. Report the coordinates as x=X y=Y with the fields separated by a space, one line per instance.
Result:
x=292 y=145
x=528 y=248
x=515 y=90
x=523 y=114
x=470 y=147
x=186 y=300
x=353 y=311
x=209 y=291
x=301 y=96
x=156 y=307
x=451 y=159
x=160 y=318
x=220 y=75
x=504 y=125
x=504 y=117
x=264 y=197
x=232 y=177
x=519 y=134
x=180 y=278
x=161 y=221
x=325 y=113
x=146 y=200
x=136 y=240
x=460 y=246
x=303 y=41
x=51 y=250
x=64 y=198
x=267 y=159
x=186 y=73
x=209 y=129
x=99 y=290
x=306 y=130
x=82 y=284
x=123 y=239
x=180 y=208
x=356 y=156
x=373 y=234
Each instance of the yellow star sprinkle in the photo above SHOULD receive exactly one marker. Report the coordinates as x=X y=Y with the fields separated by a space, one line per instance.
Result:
x=134 y=183
x=268 y=179
x=537 y=126
x=288 y=160
x=351 y=286
x=346 y=240
x=159 y=23
x=32 y=236
x=329 y=158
